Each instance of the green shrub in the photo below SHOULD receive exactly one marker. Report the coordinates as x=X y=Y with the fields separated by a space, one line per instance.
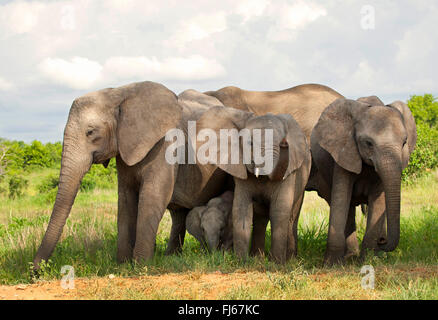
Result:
x=48 y=183
x=425 y=156
x=100 y=177
x=88 y=183
x=17 y=185
x=21 y=155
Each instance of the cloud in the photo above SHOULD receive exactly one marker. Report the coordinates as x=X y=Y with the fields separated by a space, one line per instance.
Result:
x=290 y=18
x=194 y=67
x=78 y=73
x=197 y=28
x=20 y=17
x=82 y=73
x=251 y=8
x=6 y=85
x=54 y=51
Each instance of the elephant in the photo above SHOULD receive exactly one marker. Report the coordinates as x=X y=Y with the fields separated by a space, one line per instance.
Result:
x=359 y=149
x=304 y=103
x=211 y=224
x=280 y=187
x=130 y=123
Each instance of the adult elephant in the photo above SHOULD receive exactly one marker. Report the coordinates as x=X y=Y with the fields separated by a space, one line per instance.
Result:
x=359 y=149
x=304 y=103
x=130 y=123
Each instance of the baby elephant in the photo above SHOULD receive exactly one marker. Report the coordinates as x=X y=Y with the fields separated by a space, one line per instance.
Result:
x=211 y=224
x=276 y=178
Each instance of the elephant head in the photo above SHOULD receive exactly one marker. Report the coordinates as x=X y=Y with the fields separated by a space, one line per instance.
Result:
x=210 y=224
x=367 y=131
x=126 y=121
x=287 y=151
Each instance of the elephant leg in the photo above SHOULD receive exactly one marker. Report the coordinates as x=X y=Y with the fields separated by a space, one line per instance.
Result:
x=375 y=230
x=292 y=237
x=154 y=197
x=342 y=187
x=280 y=216
x=126 y=221
x=352 y=244
x=178 y=231
x=242 y=220
x=260 y=222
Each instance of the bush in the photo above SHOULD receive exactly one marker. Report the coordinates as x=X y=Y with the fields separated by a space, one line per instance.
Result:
x=48 y=183
x=425 y=156
x=20 y=155
x=17 y=185
x=100 y=177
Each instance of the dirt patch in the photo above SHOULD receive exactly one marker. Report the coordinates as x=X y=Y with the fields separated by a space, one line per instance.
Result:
x=183 y=286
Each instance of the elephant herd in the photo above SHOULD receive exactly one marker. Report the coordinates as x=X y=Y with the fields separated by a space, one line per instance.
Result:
x=351 y=152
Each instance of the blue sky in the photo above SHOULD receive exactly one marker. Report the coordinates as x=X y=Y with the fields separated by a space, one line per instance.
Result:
x=54 y=51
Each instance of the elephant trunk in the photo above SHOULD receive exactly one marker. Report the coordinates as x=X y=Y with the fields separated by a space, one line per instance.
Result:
x=389 y=170
x=212 y=241
x=74 y=164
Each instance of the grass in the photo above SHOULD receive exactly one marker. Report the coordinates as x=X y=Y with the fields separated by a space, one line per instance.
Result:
x=89 y=239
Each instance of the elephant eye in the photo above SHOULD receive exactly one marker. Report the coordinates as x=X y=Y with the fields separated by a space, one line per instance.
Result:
x=404 y=142
x=368 y=143
x=89 y=132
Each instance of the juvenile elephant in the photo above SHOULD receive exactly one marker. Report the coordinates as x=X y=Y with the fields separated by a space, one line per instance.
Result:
x=359 y=149
x=281 y=188
x=211 y=224
x=130 y=123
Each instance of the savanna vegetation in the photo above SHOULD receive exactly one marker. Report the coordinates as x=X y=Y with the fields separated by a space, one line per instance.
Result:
x=28 y=184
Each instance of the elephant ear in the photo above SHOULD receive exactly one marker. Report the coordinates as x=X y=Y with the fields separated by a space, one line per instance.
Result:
x=334 y=132
x=298 y=148
x=371 y=100
x=148 y=110
x=409 y=122
x=193 y=222
x=218 y=118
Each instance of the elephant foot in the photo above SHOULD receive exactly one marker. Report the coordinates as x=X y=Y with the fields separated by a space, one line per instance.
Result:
x=334 y=258
x=257 y=252
x=124 y=256
x=170 y=250
x=142 y=255
x=351 y=254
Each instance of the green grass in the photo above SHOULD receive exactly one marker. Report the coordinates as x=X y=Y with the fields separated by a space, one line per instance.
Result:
x=89 y=239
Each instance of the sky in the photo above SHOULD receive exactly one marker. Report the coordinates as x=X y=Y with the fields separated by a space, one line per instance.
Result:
x=52 y=52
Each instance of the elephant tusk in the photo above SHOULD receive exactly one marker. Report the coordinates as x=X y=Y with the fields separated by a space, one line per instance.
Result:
x=257 y=172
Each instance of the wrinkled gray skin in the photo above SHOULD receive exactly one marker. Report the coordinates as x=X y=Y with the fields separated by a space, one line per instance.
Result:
x=129 y=123
x=211 y=224
x=359 y=149
x=282 y=189
x=304 y=103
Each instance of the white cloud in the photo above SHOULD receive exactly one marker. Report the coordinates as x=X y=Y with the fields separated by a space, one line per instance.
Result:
x=82 y=73
x=78 y=73
x=6 y=85
x=251 y=8
x=194 y=67
x=20 y=17
x=197 y=28
x=299 y=14
x=292 y=18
